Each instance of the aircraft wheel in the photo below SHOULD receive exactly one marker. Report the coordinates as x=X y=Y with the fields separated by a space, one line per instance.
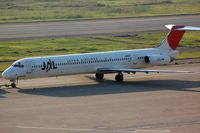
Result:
x=119 y=77
x=13 y=85
x=99 y=75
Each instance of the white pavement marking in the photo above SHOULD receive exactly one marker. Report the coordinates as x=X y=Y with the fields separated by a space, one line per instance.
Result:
x=70 y=129
x=95 y=130
x=151 y=131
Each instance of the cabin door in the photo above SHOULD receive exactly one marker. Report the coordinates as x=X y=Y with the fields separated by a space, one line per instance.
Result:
x=134 y=60
x=29 y=67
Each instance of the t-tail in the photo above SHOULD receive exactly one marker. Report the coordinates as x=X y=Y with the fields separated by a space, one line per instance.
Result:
x=175 y=35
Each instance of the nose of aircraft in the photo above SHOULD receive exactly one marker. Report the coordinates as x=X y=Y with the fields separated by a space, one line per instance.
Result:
x=7 y=74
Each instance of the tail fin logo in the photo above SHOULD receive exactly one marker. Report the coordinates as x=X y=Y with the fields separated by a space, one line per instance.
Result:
x=175 y=36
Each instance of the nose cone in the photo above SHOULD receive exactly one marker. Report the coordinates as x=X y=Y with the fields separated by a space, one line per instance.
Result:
x=7 y=74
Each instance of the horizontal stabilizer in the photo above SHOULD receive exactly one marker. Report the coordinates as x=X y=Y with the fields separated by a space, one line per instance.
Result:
x=188 y=28
x=183 y=28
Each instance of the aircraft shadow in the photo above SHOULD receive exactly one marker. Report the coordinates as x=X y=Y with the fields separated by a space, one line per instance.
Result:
x=111 y=87
x=2 y=93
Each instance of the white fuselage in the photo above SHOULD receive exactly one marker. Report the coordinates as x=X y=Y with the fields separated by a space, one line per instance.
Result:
x=80 y=63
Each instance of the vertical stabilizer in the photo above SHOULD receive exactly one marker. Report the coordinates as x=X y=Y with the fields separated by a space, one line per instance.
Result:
x=175 y=35
x=173 y=38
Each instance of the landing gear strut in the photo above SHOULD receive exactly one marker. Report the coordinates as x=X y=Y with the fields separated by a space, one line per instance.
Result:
x=119 y=77
x=99 y=75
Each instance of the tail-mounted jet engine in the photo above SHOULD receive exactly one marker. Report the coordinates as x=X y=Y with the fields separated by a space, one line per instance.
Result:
x=157 y=59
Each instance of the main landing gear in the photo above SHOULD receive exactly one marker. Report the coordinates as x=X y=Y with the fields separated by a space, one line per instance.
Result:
x=99 y=75
x=119 y=77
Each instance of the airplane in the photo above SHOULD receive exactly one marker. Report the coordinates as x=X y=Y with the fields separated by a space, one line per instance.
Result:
x=100 y=63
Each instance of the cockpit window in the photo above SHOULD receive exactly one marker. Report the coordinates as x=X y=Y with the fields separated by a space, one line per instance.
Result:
x=18 y=65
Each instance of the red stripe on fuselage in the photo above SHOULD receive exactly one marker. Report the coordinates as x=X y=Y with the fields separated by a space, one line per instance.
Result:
x=175 y=37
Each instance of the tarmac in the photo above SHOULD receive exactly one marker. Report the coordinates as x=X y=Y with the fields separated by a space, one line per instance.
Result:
x=143 y=103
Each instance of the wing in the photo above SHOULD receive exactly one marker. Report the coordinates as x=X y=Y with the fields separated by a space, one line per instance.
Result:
x=119 y=70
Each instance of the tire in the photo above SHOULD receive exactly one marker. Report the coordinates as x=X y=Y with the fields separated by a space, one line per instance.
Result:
x=13 y=85
x=119 y=77
x=99 y=75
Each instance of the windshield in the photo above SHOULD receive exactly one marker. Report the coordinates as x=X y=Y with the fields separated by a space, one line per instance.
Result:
x=19 y=65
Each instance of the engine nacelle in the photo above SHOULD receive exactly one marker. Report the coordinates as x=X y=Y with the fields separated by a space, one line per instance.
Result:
x=157 y=59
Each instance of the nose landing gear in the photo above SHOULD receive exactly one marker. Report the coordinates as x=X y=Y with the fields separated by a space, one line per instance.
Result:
x=13 y=83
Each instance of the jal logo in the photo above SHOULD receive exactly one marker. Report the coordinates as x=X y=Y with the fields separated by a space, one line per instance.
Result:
x=48 y=65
